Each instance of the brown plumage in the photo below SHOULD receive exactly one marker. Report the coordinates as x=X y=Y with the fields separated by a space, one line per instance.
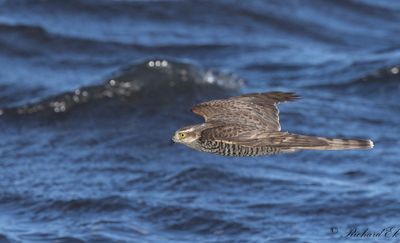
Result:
x=248 y=125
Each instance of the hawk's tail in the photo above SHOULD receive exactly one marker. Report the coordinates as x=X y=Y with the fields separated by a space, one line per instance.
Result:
x=320 y=143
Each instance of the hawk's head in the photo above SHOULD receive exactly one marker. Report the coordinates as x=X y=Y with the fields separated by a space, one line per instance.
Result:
x=187 y=135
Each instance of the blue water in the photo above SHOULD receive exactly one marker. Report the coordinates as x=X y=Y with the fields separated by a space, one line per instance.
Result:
x=92 y=91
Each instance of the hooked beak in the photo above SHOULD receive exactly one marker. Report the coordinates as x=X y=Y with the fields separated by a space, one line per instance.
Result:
x=173 y=139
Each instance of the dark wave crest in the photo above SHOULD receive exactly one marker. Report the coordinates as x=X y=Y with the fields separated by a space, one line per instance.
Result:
x=387 y=79
x=197 y=220
x=153 y=82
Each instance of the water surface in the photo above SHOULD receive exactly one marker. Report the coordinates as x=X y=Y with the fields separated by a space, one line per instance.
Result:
x=92 y=92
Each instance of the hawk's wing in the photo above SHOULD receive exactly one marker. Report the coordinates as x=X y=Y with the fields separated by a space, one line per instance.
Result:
x=252 y=137
x=258 y=110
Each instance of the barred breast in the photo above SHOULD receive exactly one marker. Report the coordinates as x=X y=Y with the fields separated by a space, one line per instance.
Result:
x=231 y=149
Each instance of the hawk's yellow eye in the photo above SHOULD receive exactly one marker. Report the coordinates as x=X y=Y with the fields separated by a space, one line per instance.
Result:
x=182 y=135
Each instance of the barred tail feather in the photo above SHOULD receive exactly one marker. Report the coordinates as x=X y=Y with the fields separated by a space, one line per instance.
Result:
x=320 y=143
x=344 y=144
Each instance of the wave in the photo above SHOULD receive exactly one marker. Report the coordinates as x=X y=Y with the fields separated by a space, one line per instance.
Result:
x=153 y=82
x=41 y=36
x=32 y=206
x=387 y=74
x=385 y=78
x=48 y=237
x=107 y=204
x=38 y=41
x=203 y=178
x=4 y=238
x=197 y=220
x=275 y=18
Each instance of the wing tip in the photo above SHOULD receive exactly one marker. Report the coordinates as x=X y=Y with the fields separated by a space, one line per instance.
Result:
x=286 y=96
x=293 y=96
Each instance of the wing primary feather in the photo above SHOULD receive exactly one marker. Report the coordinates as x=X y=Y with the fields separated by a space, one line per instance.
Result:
x=275 y=96
x=256 y=109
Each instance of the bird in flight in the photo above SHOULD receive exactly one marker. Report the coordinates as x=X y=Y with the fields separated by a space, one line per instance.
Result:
x=248 y=125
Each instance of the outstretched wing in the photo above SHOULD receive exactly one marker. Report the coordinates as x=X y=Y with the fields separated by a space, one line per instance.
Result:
x=252 y=137
x=257 y=110
x=249 y=137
